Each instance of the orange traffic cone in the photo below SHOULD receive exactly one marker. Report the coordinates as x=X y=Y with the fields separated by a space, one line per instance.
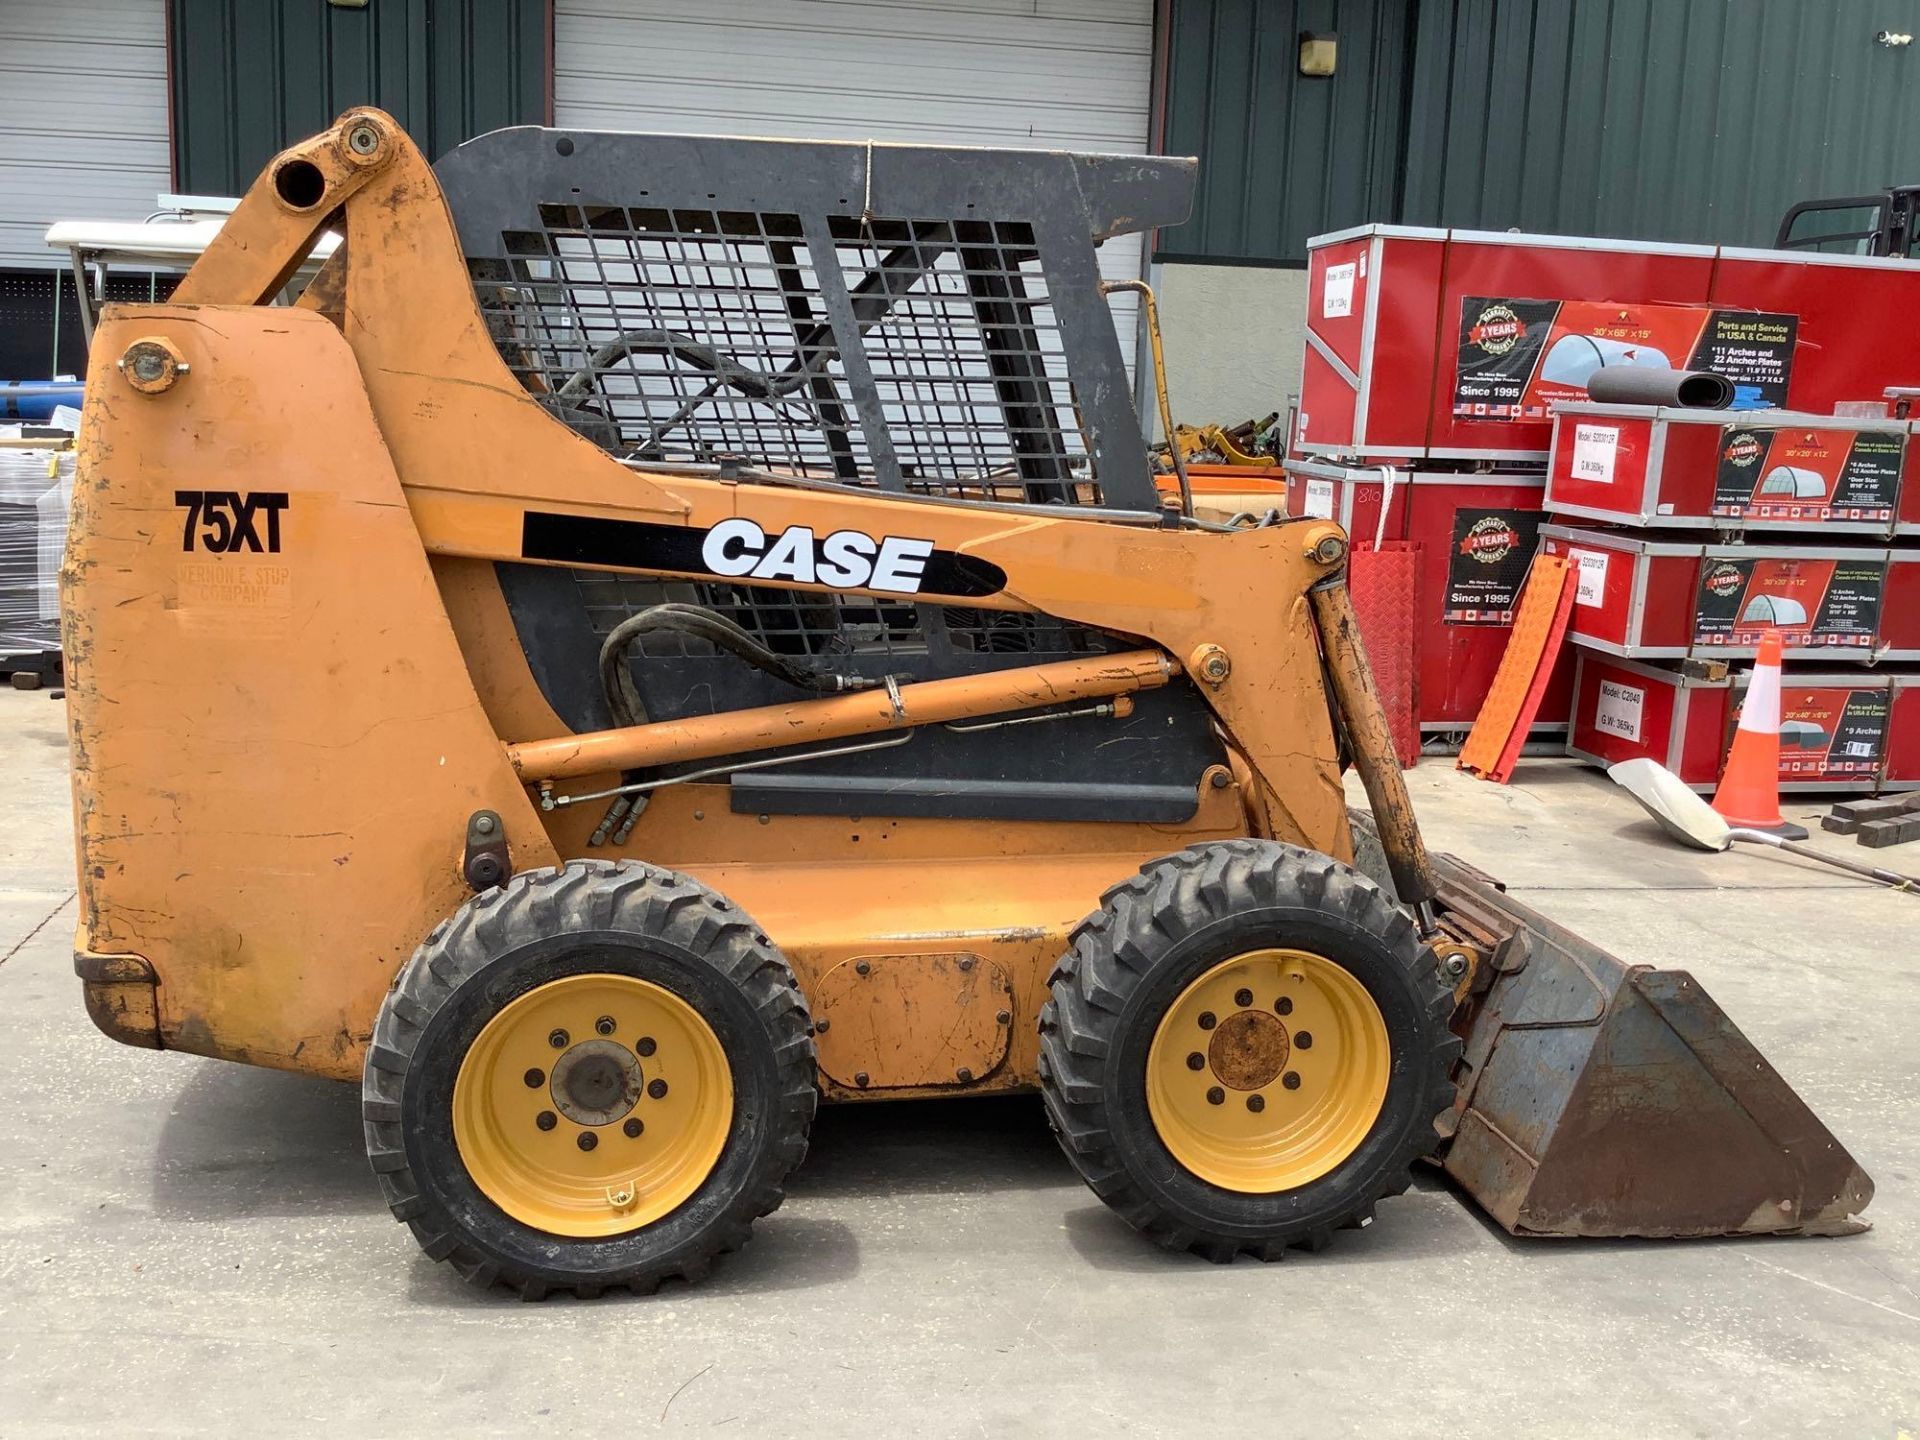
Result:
x=1749 y=793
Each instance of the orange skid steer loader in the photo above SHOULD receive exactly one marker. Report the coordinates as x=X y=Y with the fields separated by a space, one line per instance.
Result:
x=662 y=630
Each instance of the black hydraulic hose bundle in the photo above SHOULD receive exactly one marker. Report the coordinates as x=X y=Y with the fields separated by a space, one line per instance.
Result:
x=699 y=623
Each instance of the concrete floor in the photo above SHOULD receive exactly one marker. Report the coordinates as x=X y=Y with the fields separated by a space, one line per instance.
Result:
x=193 y=1247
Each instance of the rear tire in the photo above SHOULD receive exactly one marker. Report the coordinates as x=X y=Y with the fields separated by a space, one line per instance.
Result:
x=1355 y=1113
x=622 y=929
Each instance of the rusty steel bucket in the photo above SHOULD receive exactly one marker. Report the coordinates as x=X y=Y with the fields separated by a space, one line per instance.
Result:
x=1601 y=1098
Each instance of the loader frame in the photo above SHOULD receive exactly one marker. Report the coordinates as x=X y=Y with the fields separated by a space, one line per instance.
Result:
x=305 y=728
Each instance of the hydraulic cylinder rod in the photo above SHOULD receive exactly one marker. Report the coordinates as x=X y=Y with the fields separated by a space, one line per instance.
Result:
x=772 y=727
x=1372 y=743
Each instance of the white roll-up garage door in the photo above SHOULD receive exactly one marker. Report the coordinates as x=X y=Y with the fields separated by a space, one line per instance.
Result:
x=83 y=118
x=1053 y=74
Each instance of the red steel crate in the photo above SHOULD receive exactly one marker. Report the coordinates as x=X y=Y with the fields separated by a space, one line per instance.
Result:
x=1728 y=470
x=1855 y=316
x=1903 y=740
x=1393 y=312
x=1659 y=599
x=1834 y=726
x=1371 y=294
x=1475 y=535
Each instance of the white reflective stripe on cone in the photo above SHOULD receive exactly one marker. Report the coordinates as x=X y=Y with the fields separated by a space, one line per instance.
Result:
x=1761 y=713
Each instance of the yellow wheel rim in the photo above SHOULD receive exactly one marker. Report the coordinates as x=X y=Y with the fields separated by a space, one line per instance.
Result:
x=1268 y=1071
x=593 y=1105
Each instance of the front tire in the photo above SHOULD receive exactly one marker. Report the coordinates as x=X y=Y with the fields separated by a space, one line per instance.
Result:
x=1245 y=1048
x=594 y=1076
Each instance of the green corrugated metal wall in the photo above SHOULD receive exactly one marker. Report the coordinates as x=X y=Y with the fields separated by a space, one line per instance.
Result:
x=1283 y=155
x=1657 y=119
x=251 y=76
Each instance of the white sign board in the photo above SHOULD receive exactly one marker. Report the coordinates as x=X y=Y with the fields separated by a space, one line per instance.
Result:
x=1594 y=449
x=1320 y=498
x=1336 y=298
x=1618 y=712
x=1592 y=577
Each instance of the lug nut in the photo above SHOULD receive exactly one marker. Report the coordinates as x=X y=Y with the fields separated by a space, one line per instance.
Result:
x=1196 y=1061
x=1283 y=1006
x=1216 y=1096
x=546 y=1119
x=587 y=1140
x=633 y=1129
x=1303 y=1038
x=1207 y=1022
x=645 y=1044
x=1256 y=1103
x=657 y=1089
x=1243 y=998
x=1455 y=965
x=558 y=1039
x=535 y=1079
x=604 y=1025
x=1291 y=1080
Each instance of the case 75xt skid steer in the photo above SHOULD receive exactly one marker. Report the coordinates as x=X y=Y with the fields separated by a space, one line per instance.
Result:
x=663 y=629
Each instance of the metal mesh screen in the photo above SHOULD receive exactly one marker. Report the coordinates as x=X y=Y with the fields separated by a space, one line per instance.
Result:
x=922 y=356
x=801 y=623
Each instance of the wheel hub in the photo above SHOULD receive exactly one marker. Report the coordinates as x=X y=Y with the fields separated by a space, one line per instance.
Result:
x=1268 y=1071
x=597 y=1082
x=595 y=1136
x=1249 y=1050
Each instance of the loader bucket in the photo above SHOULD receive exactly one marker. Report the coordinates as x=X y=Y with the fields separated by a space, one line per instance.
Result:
x=1602 y=1098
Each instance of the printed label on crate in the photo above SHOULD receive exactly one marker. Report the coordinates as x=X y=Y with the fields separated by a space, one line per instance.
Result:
x=1595 y=447
x=1319 y=499
x=1808 y=475
x=1516 y=357
x=1590 y=588
x=1617 y=712
x=1336 y=296
x=1488 y=564
x=1814 y=602
x=1832 y=732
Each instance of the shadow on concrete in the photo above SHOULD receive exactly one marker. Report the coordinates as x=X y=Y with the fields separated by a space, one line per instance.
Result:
x=242 y=1142
x=1402 y=1232
x=931 y=1147
x=787 y=1252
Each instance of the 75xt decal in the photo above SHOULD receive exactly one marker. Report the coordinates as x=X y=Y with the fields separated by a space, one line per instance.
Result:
x=226 y=522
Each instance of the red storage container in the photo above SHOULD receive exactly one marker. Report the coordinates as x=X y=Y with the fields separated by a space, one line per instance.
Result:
x=1371 y=297
x=1475 y=535
x=1727 y=470
x=1834 y=726
x=1435 y=344
x=1660 y=599
x=1856 y=318
x=1903 y=740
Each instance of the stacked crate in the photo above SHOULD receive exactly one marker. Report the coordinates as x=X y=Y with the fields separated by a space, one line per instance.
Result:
x=1694 y=532
x=1442 y=403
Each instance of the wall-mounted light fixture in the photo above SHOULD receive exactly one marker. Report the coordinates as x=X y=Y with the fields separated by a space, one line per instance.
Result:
x=1893 y=39
x=1317 y=52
